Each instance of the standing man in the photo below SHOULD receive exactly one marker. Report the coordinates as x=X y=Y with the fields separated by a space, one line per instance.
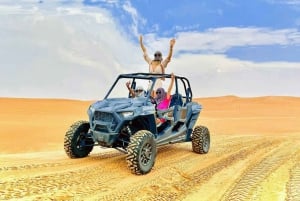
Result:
x=157 y=65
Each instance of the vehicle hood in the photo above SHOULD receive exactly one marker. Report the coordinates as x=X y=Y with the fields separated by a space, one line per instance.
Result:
x=122 y=104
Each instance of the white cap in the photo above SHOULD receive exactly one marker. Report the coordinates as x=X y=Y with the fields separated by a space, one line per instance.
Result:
x=139 y=91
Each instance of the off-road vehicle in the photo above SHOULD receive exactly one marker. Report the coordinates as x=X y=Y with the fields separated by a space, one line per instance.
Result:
x=128 y=123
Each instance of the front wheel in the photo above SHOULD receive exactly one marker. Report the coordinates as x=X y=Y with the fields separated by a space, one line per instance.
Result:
x=201 y=140
x=77 y=143
x=141 y=152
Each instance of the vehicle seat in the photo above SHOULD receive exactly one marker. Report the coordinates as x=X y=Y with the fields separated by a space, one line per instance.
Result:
x=172 y=114
x=176 y=102
x=176 y=99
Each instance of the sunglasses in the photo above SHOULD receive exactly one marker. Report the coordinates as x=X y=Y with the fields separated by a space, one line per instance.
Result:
x=158 y=92
x=157 y=55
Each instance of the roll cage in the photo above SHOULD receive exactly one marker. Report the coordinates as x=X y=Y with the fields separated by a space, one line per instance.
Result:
x=181 y=86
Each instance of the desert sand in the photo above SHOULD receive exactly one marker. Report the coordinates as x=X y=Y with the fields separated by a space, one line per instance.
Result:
x=254 y=155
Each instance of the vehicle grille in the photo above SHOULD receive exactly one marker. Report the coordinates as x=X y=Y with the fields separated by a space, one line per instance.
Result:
x=103 y=116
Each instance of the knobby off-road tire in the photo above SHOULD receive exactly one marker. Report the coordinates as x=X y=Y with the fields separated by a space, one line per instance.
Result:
x=201 y=140
x=75 y=137
x=141 y=152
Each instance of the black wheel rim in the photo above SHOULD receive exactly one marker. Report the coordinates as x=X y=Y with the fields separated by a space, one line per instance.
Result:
x=80 y=141
x=146 y=154
x=206 y=142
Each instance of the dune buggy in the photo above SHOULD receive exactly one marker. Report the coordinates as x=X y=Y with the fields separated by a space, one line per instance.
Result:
x=128 y=123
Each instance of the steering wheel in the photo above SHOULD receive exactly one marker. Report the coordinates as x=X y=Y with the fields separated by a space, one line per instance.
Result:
x=152 y=100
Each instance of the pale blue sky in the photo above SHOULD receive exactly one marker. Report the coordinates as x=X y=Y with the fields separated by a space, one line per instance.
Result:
x=75 y=49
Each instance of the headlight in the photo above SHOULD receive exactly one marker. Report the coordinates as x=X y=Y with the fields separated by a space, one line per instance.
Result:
x=126 y=114
x=91 y=110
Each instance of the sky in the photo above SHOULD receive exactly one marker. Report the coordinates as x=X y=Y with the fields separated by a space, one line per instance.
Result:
x=75 y=49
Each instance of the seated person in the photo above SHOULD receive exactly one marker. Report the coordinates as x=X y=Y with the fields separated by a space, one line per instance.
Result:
x=163 y=98
x=138 y=92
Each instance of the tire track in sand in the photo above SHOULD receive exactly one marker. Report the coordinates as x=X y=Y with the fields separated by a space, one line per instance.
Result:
x=293 y=186
x=105 y=176
x=28 y=165
x=165 y=187
x=74 y=180
x=249 y=182
x=182 y=155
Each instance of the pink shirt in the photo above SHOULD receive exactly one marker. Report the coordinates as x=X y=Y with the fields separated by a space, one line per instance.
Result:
x=163 y=105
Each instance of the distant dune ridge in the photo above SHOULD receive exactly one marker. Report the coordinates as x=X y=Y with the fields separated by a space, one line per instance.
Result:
x=29 y=125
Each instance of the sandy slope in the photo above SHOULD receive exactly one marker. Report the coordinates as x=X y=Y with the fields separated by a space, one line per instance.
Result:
x=255 y=155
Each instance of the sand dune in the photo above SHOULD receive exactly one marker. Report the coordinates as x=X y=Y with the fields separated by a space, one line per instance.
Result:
x=255 y=154
x=259 y=116
x=37 y=124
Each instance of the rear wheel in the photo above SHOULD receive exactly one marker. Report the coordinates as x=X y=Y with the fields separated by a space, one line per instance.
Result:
x=201 y=140
x=141 y=152
x=77 y=143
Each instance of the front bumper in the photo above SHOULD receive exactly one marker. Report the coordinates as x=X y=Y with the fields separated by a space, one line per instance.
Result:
x=105 y=139
x=104 y=126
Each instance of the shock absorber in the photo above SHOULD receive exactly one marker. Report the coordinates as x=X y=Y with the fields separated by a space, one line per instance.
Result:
x=128 y=130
